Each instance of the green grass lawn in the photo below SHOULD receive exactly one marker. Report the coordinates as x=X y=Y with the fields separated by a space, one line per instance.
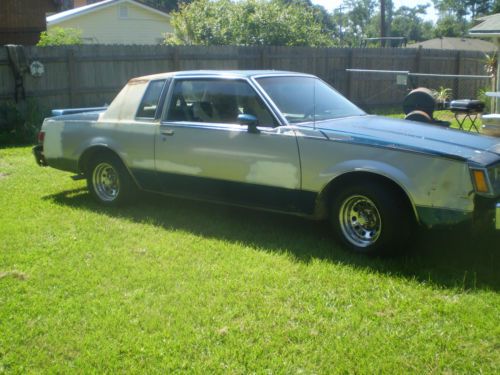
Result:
x=169 y=286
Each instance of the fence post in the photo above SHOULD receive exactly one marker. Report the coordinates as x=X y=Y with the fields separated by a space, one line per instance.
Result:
x=456 y=84
x=349 y=74
x=418 y=61
x=263 y=57
x=175 y=59
x=71 y=64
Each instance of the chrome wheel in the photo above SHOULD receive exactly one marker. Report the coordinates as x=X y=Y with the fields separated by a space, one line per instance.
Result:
x=360 y=220
x=106 y=182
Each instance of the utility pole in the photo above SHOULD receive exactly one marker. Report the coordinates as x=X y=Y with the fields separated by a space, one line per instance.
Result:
x=341 y=36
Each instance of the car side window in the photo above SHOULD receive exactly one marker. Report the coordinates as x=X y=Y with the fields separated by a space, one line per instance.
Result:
x=216 y=101
x=150 y=102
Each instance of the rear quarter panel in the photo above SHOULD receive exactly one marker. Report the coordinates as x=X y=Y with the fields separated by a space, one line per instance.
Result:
x=66 y=141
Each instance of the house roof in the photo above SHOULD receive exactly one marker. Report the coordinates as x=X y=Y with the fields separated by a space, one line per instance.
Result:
x=458 y=44
x=54 y=19
x=488 y=26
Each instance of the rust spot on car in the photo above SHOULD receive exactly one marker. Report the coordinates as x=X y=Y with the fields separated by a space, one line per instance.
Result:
x=136 y=81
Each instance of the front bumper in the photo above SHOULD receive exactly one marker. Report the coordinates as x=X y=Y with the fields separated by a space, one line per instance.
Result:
x=485 y=217
x=39 y=157
x=486 y=213
x=497 y=216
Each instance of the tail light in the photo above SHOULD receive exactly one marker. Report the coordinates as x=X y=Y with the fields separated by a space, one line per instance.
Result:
x=41 y=137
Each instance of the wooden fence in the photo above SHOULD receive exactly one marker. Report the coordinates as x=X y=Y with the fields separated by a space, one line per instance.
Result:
x=92 y=75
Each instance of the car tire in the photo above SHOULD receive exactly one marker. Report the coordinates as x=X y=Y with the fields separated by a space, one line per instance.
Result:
x=371 y=218
x=108 y=180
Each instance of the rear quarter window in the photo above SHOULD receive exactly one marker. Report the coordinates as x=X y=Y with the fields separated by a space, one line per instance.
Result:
x=150 y=103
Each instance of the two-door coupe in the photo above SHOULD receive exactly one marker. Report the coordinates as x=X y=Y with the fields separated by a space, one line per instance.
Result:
x=279 y=141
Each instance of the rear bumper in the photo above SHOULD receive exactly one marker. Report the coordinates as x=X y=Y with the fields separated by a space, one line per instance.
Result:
x=39 y=157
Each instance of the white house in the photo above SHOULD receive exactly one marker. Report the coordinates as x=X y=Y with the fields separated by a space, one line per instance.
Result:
x=115 y=22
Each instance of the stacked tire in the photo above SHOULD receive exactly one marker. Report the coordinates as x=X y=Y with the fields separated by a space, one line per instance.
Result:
x=419 y=105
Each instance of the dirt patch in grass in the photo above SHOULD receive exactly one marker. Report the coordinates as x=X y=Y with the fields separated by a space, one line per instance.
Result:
x=14 y=274
x=3 y=175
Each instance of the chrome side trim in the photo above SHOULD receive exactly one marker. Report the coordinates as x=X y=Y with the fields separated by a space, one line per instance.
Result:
x=265 y=130
x=395 y=148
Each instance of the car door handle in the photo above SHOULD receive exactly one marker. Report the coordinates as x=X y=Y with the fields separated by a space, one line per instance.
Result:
x=167 y=132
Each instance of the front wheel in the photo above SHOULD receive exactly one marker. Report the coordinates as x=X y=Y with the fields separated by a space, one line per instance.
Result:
x=371 y=218
x=108 y=181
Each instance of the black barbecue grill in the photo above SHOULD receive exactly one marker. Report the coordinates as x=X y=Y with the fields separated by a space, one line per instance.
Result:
x=470 y=108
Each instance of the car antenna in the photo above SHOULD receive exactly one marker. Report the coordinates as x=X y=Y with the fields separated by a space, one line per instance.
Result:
x=314 y=104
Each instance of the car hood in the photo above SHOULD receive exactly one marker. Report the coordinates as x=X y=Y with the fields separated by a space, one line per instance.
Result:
x=413 y=136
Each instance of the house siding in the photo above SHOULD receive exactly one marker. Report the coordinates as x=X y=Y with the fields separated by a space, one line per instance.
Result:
x=106 y=26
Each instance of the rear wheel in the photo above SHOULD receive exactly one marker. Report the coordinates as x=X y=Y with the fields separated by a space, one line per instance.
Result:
x=371 y=218
x=108 y=180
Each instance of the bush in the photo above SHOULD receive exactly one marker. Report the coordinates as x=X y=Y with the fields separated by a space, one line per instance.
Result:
x=59 y=36
x=20 y=122
x=481 y=95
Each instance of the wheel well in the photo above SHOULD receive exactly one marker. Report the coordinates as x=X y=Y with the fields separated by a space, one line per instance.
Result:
x=89 y=153
x=326 y=196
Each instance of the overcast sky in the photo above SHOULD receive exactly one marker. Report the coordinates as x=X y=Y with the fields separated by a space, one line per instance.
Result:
x=332 y=4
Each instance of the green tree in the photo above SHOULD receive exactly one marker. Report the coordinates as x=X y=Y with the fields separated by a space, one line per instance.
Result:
x=495 y=7
x=59 y=36
x=448 y=26
x=321 y=15
x=480 y=7
x=246 y=22
x=354 y=19
x=456 y=15
x=166 y=5
x=457 y=8
x=362 y=20
x=408 y=22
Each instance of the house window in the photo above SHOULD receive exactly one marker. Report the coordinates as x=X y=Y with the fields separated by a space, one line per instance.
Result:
x=123 y=11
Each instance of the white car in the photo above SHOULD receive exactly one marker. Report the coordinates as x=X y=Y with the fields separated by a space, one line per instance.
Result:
x=278 y=141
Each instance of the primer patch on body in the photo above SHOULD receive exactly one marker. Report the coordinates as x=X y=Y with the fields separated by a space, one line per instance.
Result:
x=265 y=172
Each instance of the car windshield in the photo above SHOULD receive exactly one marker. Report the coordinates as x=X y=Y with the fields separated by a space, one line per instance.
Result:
x=305 y=99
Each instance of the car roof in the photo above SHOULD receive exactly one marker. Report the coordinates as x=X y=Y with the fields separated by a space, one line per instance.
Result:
x=222 y=73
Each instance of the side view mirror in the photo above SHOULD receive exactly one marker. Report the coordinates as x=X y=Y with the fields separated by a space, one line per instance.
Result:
x=250 y=121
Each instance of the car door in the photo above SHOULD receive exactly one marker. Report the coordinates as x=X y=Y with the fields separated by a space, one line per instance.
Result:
x=201 y=150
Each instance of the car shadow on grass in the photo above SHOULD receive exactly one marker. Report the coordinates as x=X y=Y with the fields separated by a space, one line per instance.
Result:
x=449 y=258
